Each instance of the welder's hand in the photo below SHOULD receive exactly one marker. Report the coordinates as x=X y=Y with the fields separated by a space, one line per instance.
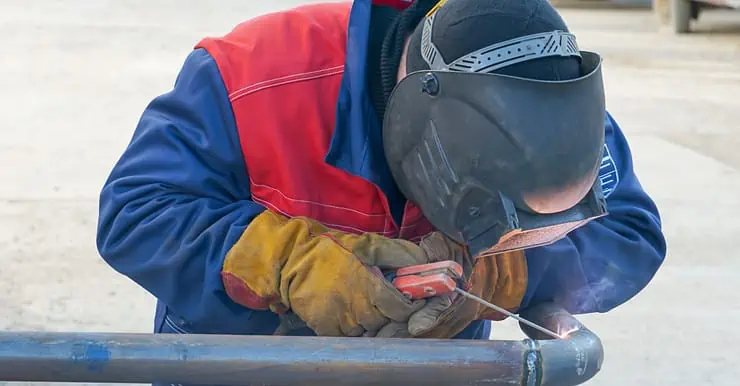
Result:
x=500 y=279
x=329 y=279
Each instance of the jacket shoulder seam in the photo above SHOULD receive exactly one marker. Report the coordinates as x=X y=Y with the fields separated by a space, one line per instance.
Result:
x=283 y=80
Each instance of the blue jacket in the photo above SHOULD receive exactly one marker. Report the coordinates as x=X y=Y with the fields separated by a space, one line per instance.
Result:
x=178 y=199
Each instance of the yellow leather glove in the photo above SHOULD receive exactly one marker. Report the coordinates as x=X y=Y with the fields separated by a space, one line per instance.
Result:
x=500 y=279
x=322 y=275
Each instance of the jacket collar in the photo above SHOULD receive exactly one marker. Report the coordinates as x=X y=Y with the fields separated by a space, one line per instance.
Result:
x=356 y=145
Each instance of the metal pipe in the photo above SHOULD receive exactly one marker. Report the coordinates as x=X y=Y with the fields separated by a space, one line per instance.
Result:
x=271 y=360
x=570 y=361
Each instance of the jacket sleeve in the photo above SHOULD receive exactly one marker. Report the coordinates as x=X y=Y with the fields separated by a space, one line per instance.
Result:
x=178 y=198
x=608 y=261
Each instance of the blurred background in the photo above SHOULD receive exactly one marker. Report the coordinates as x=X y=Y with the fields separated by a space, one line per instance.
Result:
x=76 y=74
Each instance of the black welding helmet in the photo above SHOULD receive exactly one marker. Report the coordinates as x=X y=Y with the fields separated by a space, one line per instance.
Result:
x=481 y=151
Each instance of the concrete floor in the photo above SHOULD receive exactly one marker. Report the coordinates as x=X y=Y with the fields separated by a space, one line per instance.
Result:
x=76 y=74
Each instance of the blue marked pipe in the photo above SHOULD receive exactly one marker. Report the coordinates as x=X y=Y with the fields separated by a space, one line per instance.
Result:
x=280 y=360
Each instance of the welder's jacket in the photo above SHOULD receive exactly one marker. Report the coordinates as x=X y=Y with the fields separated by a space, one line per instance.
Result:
x=276 y=115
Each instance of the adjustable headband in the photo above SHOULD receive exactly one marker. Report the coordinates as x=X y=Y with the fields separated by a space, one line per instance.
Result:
x=495 y=56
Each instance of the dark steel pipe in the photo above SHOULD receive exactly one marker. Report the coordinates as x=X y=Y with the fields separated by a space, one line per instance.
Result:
x=270 y=360
x=565 y=362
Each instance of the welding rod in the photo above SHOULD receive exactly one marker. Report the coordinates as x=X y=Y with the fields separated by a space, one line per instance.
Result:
x=507 y=313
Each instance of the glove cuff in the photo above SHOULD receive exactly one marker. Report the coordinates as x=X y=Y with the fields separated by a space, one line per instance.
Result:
x=239 y=292
x=251 y=273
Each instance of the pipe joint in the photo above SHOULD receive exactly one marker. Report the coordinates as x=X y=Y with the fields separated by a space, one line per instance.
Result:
x=533 y=364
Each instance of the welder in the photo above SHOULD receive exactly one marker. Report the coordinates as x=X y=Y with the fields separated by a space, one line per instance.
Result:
x=309 y=150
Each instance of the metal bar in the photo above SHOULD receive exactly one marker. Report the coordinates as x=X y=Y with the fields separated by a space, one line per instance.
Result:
x=242 y=360
x=282 y=360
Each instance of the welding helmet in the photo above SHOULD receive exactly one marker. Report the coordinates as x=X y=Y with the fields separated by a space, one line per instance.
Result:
x=479 y=139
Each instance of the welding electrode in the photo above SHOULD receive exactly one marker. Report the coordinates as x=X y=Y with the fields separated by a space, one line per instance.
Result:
x=507 y=313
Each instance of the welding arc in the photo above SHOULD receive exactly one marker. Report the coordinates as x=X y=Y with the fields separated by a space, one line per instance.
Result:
x=507 y=313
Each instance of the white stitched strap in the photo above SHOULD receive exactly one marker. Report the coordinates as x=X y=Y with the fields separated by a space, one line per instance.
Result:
x=428 y=50
x=495 y=56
